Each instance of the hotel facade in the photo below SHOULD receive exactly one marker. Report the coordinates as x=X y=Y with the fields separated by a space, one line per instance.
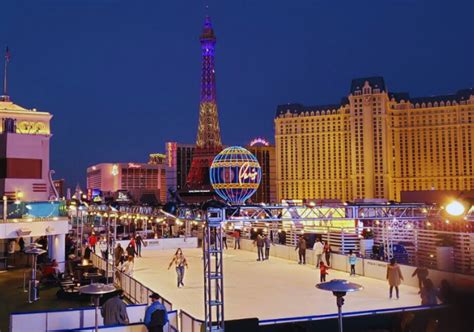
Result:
x=138 y=180
x=375 y=144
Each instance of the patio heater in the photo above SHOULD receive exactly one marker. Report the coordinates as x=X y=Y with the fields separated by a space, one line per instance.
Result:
x=32 y=283
x=96 y=291
x=339 y=288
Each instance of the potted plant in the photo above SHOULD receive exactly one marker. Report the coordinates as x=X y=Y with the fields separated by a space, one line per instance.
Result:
x=366 y=242
x=445 y=252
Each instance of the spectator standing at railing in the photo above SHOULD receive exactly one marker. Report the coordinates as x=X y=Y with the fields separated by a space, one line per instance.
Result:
x=236 y=239
x=87 y=252
x=327 y=252
x=114 y=310
x=352 y=262
x=181 y=263
x=156 y=315
x=394 y=276
x=301 y=247
x=318 y=249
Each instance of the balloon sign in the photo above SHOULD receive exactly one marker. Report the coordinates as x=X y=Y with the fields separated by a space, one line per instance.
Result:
x=235 y=174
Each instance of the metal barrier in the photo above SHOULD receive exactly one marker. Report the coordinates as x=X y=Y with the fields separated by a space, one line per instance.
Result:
x=82 y=318
x=189 y=323
x=134 y=290
x=347 y=314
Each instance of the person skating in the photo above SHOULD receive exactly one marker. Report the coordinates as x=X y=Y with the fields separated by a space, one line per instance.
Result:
x=268 y=243
x=114 y=310
x=131 y=252
x=428 y=293
x=323 y=271
x=224 y=238
x=260 y=242
x=318 y=249
x=138 y=242
x=181 y=263
x=394 y=276
x=301 y=247
x=352 y=262
x=156 y=316
x=236 y=239
x=327 y=253
x=128 y=266
x=422 y=273
x=118 y=254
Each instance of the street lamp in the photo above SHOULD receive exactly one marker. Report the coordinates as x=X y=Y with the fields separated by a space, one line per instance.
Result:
x=455 y=208
x=339 y=288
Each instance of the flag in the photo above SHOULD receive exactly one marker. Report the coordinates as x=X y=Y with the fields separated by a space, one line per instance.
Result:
x=7 y=55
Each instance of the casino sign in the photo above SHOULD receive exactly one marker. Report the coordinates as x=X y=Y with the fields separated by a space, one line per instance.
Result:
x=235 y=174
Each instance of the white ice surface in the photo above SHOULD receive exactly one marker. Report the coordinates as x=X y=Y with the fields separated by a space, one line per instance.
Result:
x=276 y=288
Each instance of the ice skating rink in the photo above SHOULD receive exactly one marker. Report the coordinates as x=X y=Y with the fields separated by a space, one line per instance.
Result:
x=276 y=288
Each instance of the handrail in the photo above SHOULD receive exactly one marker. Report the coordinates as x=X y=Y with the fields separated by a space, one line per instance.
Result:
x=65 y=310
x=349 y=314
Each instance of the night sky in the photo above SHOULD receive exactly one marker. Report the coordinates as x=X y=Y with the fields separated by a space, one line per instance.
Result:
x=122 y=77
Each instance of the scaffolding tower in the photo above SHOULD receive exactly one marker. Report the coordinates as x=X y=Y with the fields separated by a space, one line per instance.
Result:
x=213 y=270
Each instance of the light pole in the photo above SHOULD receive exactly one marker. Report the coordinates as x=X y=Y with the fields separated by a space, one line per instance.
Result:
x=339 y=288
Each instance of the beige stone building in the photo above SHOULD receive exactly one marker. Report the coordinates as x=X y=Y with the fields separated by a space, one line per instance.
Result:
x=375 y=144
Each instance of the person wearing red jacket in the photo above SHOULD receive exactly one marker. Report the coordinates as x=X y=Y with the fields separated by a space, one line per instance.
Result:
x=92 y=241
x=323 y=268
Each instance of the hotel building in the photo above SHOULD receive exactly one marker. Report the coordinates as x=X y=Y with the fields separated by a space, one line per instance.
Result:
x=265 y=154
x=137 y=179
x=375 y=144
x=24 y=152
x=178 y=163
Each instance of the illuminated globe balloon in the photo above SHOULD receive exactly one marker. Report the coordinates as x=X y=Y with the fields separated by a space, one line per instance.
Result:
x=235 y=174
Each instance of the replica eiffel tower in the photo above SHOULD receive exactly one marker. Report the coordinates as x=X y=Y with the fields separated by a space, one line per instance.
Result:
x=208 y=142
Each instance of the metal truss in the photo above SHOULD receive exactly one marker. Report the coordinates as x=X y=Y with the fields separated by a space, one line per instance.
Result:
x=213 y=271
x=330 y=212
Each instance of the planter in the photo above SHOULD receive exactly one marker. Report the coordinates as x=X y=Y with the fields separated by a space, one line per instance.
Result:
x=445 y=258
x=366 y=247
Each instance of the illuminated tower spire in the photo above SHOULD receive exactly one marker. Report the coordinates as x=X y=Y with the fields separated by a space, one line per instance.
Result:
x=208 y=141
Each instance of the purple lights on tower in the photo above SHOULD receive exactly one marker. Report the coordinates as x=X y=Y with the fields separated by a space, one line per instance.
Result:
x=208 y=141
x=208 y=81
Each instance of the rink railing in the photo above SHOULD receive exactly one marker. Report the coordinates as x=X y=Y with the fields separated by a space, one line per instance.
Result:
x=82 y=319
x=190 y=323
x=349 y=314
x=134 y=290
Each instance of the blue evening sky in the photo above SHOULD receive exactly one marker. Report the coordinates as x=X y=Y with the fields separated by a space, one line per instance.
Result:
x=122 y=77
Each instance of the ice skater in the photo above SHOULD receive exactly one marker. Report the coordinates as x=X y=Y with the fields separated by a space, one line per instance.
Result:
x=327 y=252
x=318 y=249
x=323 y=268
x=180 y=263
x=267 y=246
x=394 y=276
x=236 y=239
x=301 y=247
x=352 y=262
x=260 y=243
